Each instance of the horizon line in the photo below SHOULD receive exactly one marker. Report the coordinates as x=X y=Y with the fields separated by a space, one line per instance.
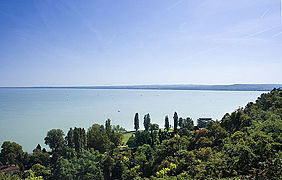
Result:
x=133 y=85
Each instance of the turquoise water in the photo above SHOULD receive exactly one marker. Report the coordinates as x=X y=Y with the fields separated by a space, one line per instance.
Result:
x=27 y=114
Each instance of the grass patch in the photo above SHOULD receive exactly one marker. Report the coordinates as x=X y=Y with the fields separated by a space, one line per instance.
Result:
x=126 y=136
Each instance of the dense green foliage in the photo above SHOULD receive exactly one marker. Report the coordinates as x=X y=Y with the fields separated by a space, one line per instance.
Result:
x=55 y=139
x=245 y=144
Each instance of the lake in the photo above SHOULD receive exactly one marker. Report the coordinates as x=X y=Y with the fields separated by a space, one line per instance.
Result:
x=26 y=114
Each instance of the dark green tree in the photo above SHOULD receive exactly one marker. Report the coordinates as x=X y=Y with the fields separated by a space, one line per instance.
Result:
x=136 y=122
x=154 y=126
x=141 y=137
x=108 y=126
x=87 y=166
x=166 y=123
x=12 y=153
x=38 y=157
x=131 y=142
x=98 y=139
x=38 y=147
x=40 y=170
x=147 y=121
x=175 y=120
x=107 y=166
x=55 y=139
x=114 y=133
x=181 y=122
x=118 y=169
x=70 y=138
x=189 y=124
x=118 y=129
x=79 y=139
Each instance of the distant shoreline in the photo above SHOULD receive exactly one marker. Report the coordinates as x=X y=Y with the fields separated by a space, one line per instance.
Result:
x=232 y=87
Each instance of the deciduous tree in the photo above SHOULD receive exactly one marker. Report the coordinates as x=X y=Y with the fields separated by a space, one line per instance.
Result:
x=55 y=139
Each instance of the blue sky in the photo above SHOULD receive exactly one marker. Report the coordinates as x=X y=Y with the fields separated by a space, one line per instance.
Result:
x=123 y=42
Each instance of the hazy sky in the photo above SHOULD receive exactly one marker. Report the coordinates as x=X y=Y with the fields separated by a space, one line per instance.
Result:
x=118 y=42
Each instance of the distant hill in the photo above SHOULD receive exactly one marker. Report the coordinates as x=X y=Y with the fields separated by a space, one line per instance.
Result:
x=231 y=87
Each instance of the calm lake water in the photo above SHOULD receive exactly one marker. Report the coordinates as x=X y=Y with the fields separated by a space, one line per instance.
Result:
x=26 y=115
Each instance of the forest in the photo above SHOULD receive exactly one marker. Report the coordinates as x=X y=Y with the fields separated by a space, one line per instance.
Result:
x=245 y=144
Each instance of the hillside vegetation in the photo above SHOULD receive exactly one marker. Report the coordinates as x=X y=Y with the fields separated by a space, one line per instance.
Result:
x=245 y=144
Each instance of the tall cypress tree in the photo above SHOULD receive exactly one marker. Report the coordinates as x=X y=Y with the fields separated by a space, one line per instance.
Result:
x=136 y=122
x=79 y=138
x=166 y=123
x=108 y=126
x=70 y=139
x=180 y=122
x=175 y=119
x=147 y=121
x=38 y=147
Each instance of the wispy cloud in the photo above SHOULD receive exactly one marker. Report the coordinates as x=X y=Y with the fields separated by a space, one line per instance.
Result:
x=262 y=31
x=264 y=13
x=84 y=20
x=177 y=3
x=277 y=34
